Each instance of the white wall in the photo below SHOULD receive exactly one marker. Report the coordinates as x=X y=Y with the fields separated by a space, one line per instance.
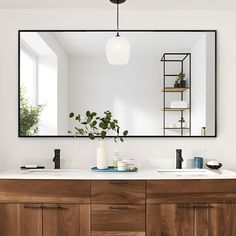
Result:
x=198 y=86
x=203 y=76
x=210 y=93
x=15 y=151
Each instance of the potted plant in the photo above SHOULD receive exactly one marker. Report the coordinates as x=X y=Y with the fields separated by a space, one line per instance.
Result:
x=181 y=79
x=94 y=126
x=176 y=84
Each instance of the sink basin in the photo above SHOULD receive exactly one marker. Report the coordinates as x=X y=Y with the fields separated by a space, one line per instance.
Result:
x=51 y=171
x=186 y=172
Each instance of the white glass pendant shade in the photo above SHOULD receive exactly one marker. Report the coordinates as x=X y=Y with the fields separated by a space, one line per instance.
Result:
x=118 y=50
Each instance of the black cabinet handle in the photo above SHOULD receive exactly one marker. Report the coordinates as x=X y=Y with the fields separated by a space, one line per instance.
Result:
x=118 y=182
x=119 y=208
x=54 y=207
x=203 y=206
x=196 y=206
x=185 y=206
x=33 y=206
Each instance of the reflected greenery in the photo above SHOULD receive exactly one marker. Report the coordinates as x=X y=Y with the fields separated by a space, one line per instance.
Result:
x=29 y=115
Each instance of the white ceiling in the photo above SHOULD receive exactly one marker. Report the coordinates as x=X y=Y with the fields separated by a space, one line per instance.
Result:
x=130 y=4
x=33 y=41
x=93 y=43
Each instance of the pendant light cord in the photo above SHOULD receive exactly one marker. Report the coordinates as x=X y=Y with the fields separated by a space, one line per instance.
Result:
x=117 y=19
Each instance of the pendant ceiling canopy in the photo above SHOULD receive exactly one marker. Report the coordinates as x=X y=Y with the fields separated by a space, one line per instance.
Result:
x=117 y=1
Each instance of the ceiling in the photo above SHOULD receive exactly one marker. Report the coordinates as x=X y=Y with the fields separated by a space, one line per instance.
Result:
x=130 y=4
x=142 y=43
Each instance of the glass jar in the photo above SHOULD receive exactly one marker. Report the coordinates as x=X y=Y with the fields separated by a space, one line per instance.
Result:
x=121 y=165
x=130 y=164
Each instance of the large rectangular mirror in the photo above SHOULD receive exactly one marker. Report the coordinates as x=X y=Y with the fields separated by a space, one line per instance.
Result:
x=168 y=87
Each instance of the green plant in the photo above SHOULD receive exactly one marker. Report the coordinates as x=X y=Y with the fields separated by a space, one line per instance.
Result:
x=181 y=76
x=29 y=115
x=94 y=126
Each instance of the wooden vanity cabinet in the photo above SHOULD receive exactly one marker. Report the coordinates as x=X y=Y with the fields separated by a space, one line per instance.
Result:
x=118 y=208
x=191 y=208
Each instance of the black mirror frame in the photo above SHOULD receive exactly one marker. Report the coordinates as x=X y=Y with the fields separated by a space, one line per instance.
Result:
x=129 y=136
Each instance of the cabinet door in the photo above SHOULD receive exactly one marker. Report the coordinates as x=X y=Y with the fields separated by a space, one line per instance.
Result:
x=66 y=220
x=114 y=220
x=170 y=220
x=191 y=219
x=217 y=219
x=30 y=219
x=222 y=220
x=9 y=215
x=20 y=219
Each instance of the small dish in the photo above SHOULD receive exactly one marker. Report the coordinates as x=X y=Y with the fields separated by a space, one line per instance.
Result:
x=214 y=167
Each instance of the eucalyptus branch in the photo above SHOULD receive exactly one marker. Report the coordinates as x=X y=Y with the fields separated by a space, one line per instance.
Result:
x=94 y=126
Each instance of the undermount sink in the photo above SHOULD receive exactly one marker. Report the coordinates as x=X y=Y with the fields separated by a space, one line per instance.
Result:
x=186 y=172
x=51 y=171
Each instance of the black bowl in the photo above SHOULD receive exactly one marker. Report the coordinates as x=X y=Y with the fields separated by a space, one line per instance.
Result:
x=214 y=167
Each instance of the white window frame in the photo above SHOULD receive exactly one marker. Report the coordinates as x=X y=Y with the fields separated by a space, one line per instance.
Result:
x=32 y=54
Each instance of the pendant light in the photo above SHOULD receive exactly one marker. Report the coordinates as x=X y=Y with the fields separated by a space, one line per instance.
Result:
x=118 y=48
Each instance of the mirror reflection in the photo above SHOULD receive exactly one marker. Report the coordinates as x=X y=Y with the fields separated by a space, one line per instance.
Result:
x=166 y=89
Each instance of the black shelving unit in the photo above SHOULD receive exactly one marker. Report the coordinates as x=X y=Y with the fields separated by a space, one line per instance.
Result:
x=176 y=58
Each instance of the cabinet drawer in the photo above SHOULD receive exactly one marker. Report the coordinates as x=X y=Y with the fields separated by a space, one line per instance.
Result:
x=190 y=191
x=128 y=219
x=45 y=191
x=116 y=191
x=191 y=186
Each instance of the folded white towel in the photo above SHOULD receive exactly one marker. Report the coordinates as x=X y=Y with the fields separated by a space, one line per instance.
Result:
x=179 y=104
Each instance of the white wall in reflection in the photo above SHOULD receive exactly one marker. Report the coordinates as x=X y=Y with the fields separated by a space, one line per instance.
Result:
x=131 y=93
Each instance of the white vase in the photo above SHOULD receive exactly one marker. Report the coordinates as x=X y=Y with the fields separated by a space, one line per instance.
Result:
x=102 y=159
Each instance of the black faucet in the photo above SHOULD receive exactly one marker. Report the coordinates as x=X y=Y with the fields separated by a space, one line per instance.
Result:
x=56 y=158
x=179 y=159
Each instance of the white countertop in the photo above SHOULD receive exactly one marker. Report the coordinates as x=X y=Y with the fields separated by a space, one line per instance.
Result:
x=86 y=174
